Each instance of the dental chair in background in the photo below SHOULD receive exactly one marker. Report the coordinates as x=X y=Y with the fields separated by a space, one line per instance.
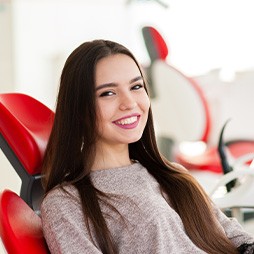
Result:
x=182 y=113
x=25 y=126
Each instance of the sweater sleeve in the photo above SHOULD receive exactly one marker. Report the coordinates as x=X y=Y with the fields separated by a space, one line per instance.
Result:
x=64 y=227
x=235 y=231
x=246 y=248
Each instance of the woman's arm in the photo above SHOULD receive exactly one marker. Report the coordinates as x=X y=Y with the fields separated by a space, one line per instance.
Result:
x=63 y=224
x=235 y=232
x=246 y=248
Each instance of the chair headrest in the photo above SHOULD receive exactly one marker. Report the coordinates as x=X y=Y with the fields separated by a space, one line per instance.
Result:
x=155 y=44
x=25 y=124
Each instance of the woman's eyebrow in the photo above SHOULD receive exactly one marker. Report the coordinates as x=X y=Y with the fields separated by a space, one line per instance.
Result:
x=136 y=79
x=112 y=84
x=106 y=86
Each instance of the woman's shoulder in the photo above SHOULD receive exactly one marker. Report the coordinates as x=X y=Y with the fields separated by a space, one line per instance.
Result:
x=60 y=196
x=62 y=191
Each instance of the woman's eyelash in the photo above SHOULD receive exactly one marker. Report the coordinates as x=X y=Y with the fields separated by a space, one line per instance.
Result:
x=107 y=93
x=137 y=86
x=110 y=93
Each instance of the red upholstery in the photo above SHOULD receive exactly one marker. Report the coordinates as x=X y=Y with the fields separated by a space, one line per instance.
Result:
x=25 y=126
x=20 y=227
x=240 y=147
x=157 y=47
x=20 y=124
x=209 y=160
x=159 y=43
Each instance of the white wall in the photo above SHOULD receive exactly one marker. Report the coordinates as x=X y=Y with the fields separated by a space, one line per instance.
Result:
x=47 y=31
x=6 y=48
x=201 y=35
x=8 y=178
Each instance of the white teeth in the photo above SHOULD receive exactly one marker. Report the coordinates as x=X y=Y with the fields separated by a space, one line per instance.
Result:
x=128 y=120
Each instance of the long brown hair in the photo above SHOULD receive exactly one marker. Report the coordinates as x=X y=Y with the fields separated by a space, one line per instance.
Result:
x=70 y=155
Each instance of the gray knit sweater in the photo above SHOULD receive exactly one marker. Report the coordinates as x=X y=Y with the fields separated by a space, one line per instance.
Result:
x=150 y=225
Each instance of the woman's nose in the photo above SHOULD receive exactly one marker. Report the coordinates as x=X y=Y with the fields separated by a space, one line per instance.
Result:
x=127 y=102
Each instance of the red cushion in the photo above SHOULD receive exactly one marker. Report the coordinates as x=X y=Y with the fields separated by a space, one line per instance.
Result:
x=20 y=227
x=209 y=160
x=240 y=147
x=25 y=123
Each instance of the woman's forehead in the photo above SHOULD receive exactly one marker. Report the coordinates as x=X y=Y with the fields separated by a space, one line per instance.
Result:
x=114 y=68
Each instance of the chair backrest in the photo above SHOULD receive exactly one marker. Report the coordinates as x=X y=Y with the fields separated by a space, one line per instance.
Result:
x=20 y=226
x=181 y=110
x=25 y=126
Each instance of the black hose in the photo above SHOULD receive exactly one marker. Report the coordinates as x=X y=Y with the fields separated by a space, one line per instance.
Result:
x=223 y=158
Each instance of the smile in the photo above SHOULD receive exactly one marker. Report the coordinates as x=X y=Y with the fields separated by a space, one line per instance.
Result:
x=128 y=122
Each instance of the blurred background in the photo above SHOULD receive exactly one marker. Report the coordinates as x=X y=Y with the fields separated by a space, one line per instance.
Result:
x=210 y=41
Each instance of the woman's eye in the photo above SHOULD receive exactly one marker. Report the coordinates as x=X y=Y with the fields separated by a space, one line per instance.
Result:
x=107 y=93
x=137 y=87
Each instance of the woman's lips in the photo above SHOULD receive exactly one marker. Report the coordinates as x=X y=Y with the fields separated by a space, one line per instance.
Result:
x=129 y=122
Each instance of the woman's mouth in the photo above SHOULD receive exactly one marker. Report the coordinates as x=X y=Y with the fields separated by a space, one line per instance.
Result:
x=128 y=122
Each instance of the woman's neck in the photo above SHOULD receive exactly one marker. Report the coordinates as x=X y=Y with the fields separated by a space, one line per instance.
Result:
x=111 y=157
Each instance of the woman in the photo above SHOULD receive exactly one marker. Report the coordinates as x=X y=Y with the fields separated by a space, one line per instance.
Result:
x=108 y=190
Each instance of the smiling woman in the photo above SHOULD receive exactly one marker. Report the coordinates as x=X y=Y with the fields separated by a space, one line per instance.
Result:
x=122 y=108
x=108 y=189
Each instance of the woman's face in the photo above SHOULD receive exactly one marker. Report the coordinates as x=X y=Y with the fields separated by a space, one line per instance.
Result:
x=121 y=100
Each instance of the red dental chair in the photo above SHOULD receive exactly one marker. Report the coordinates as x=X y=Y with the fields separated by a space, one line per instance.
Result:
x=25 y=126
x=181 y=111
